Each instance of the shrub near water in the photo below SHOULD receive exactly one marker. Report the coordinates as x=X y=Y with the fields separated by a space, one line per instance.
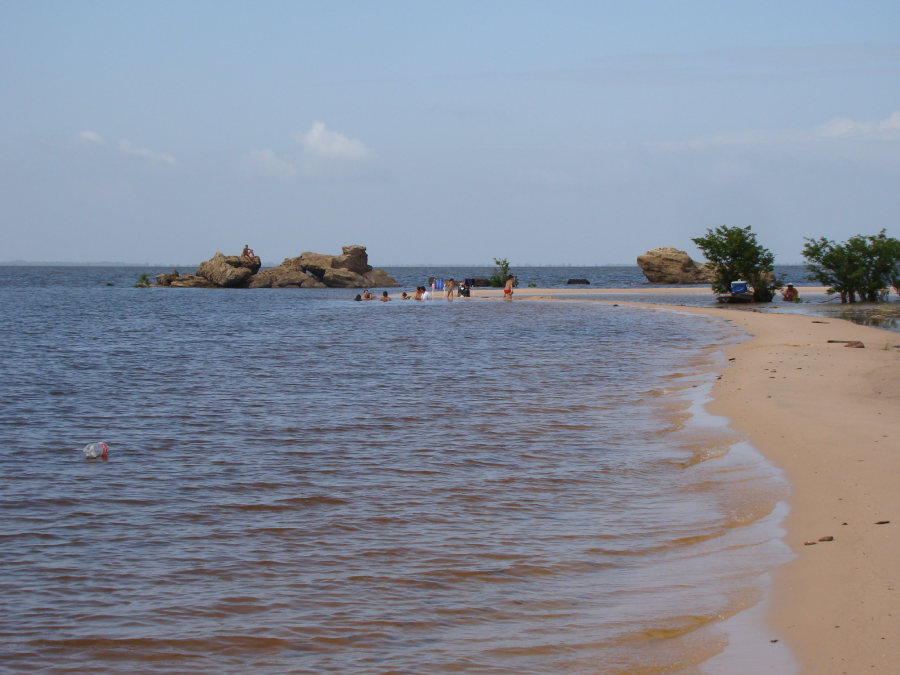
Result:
x=867 y=266
x=501 y=273
x=735 y=255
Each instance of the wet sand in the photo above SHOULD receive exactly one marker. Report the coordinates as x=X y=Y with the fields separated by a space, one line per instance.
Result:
x=828 y=416
x=582 y=290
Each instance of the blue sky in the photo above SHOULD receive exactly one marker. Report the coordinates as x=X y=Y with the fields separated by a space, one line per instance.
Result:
x=544 y=132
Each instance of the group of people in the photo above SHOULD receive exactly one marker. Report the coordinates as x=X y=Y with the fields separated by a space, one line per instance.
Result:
x=366 y=295
x=423 y=294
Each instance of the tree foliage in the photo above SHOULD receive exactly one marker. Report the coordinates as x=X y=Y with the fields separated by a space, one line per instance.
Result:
x=501 y=273
x=864 y=266
x=735 y=255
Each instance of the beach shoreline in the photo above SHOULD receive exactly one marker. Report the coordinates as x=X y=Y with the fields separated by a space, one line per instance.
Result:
x=826 y=415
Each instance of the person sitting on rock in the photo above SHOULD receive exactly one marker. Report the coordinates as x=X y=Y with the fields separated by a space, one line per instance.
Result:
x=246 y=253
x=790 y=294
x=385 y=297
x=367 y=296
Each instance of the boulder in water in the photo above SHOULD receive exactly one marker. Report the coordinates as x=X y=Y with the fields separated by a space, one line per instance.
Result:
x=229 y=271
x=191 y=281
x=351 y=269
x=166 y=279
x=668 y=265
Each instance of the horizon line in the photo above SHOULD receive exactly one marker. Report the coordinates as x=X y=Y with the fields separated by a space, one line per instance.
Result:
x=109 y=263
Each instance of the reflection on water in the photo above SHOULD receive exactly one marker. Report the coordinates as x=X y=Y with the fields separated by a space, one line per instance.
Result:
x=310 y=485
x=879 y=318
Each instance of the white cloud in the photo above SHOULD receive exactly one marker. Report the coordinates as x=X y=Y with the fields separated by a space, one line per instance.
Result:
x=126 y=148
x=331 y=144
x=840 y=128
x=267 y=162
x=844 y=127
x=91 y=136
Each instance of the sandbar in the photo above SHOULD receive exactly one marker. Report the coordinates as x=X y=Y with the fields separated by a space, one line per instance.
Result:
x=829 y=417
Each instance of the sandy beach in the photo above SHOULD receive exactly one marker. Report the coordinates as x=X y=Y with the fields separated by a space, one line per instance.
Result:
x=827 y=415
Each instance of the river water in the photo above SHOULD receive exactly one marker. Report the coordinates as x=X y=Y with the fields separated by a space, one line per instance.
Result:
x=298 y=483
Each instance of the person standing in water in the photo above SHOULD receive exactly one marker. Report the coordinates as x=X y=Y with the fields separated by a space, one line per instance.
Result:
x=790 y=293
x=385 y=297
x=508 y=289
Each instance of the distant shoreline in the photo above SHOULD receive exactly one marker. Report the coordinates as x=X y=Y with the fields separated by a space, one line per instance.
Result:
x=28 y=263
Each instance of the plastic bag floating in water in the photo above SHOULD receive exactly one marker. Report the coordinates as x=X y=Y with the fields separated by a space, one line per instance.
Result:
x=94 y=450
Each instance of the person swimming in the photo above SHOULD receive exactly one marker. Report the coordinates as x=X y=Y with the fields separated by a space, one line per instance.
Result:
x=385 y=297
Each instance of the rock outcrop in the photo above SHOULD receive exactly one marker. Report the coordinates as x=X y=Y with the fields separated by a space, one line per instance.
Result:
x=229 y=271
x=166 y=279
x=354 y=258
x=191 y=281
x=288 y=274
x=668 y=265
x=351 y=269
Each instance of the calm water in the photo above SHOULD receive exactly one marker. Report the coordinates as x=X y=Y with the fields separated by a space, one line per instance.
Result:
x=302 y=484
x=407 y=277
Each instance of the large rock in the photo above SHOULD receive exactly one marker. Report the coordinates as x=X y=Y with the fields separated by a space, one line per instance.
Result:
x=351 y=269
x=279 y=277
x=166 y=279
x=315 y=263
x=312 y=282
x=228 y=271
x=668 y=265
x=341 y=278
x=191 y=281
x=379 y=279
x=354 y=258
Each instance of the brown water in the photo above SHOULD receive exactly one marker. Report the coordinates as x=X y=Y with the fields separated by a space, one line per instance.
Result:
x=301 y=484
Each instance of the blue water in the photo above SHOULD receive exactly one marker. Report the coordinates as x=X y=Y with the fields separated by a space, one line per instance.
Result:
x=298 y=483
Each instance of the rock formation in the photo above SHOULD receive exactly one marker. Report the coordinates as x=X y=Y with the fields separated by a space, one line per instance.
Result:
x=353 y=258
x=229 y=271
x=191 y=281
x=288 y=274
x=177 y=280
x=166 y=279
x=668 y=265
x=351 y=269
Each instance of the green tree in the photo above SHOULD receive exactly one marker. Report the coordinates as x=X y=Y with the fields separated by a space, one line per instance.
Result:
x=143 y=281
x=501 y=273
x=866 y=266
x=735 y=255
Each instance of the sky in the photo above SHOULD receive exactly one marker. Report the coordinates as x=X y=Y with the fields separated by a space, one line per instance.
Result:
x=561 y=132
